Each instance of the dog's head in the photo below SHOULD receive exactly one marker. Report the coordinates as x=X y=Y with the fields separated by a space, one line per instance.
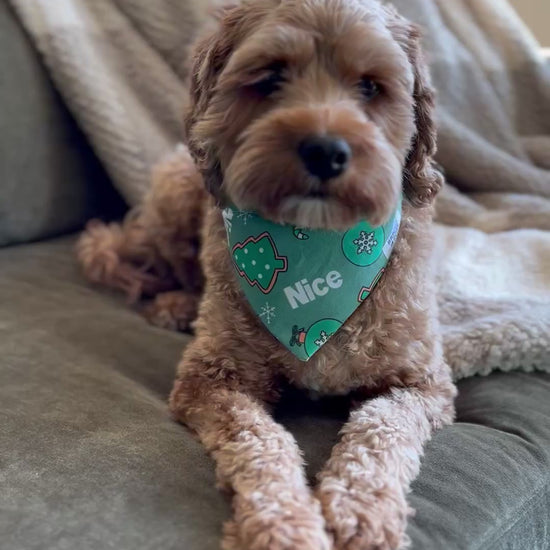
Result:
x=313 y=112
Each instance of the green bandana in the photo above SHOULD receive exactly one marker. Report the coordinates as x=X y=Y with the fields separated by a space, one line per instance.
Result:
x=303 y=284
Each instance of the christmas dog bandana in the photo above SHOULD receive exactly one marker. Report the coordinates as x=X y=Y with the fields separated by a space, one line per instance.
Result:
x=303 y=284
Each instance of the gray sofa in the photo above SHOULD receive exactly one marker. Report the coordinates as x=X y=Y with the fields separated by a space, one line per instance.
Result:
x=89 y=458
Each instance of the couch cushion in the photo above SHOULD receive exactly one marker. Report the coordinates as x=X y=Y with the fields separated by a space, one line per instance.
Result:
x=50 y=181
x=90 y=458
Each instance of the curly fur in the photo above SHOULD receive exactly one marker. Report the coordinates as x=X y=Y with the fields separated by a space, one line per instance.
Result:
x=154 y=253
x=388 y=352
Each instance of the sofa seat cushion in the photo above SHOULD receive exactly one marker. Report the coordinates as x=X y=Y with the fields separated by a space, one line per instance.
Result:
x=90 y=458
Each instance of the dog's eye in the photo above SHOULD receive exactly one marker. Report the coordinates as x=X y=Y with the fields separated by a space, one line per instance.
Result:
x=369 y=88
x=270 y=84
x=269 y=80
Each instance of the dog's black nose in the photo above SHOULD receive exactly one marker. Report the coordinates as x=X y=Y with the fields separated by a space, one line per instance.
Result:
x=325 y=157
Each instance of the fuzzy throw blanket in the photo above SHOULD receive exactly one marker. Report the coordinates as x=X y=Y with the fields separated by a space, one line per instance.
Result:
x=121 y=67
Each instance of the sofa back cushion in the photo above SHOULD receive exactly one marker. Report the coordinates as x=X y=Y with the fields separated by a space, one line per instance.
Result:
x=50 y=180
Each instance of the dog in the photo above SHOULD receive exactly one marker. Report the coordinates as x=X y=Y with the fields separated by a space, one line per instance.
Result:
x=314 y=114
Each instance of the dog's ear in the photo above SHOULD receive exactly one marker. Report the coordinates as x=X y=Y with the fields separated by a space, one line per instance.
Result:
x=422 y=179
x=211 y=54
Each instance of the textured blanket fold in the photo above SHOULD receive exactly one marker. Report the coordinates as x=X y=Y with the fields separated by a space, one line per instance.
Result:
x=121 y=67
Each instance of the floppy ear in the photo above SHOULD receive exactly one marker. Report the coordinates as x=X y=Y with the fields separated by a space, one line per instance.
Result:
x=210 y=56
x=422 y=179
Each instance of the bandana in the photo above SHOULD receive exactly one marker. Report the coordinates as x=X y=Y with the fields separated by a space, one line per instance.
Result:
x=303 y=284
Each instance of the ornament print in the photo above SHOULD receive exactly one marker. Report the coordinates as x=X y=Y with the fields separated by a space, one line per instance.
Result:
x=316 y=336
x=319 y=334
x=363 y=244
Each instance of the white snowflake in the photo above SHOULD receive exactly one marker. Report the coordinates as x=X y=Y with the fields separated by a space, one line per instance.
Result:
x=323 y=338
x=245 y=216
x=267 y=312
x=227 y=215
x=366 y=242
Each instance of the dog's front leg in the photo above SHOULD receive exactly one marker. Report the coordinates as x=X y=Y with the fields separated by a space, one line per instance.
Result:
x=364 y=484
x=257 y=459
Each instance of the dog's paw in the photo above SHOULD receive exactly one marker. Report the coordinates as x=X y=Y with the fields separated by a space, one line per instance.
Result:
x=172 y=310
x=362 y=517
x=266 y=524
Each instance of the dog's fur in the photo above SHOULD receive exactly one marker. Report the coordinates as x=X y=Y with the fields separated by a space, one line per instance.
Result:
x=389 y=351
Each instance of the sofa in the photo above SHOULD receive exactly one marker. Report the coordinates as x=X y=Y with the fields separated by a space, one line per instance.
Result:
x=89 y=457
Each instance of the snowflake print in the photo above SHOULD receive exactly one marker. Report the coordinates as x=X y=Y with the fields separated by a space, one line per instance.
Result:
x=245 y=216
x=366 y=242
x=267 y=312
x=227 y=215
x=323 y=337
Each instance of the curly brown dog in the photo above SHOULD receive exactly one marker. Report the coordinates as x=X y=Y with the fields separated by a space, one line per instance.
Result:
x=274 y=75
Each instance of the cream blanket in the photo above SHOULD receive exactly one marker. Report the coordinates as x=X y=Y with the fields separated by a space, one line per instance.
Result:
x=121 y=66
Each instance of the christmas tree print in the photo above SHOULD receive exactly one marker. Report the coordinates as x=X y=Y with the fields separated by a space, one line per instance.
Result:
x=366 y=290
x=258 y=262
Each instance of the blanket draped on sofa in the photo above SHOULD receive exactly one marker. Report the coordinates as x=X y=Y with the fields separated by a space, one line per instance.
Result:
x=121 y=67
